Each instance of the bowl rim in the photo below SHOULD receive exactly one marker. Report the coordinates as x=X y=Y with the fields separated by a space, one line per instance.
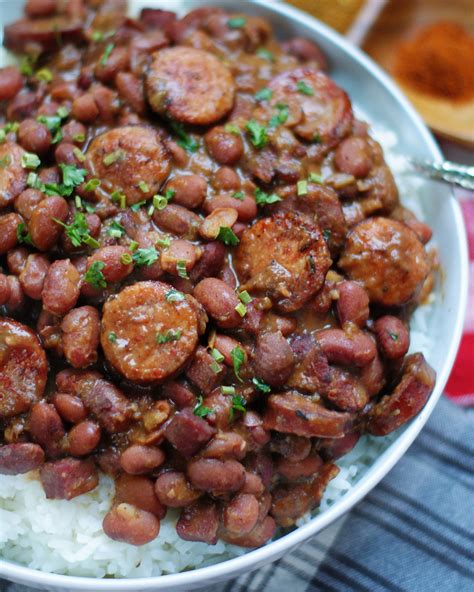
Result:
x=264 y=555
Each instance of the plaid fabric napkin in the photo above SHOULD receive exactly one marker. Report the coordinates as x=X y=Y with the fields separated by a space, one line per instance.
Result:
x=413 y=533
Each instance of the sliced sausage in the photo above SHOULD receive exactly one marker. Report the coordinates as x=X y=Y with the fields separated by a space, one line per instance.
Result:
x=326 y=108
x=204 y=372
x=19 y=458
x=154 y=338
x=23 y=368
x=42 y=31
x=109 y=405
x=80 y=336
x=131 y=160
x=188 y=433
x=386 y=257
x=292 y=413
x=407 y=399
x=190 y=85
x=285 y=257
x=67 y=478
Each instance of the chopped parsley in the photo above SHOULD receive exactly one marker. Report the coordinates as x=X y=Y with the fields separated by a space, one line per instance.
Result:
x=72 y=176
x=115 y=229
x=393 y=336
x=238 y=404
x=261 y=386
x=184 y=140
x=112 y=337
x=26 y=64
x=22 y=234
x=302 y=187
x=146 y=256
x=199 y=408
x=94 y=275
x=78 y=231
x=228 y=236
x=326 y=234
x=174 y=296
x=281 y=116
x=237 y=22
x=238 y=195
x=304 y=88
x=264 y=94
x=265 y=54
x=170 y=335
x=54 y=122
x=263 y=198
x=137 y=205
x=105 y=56
x=258 y=133
x=238 y=358
x=30 y=161
x=113 y=157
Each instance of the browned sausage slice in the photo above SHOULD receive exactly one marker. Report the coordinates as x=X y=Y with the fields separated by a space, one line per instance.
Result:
x=190 y=85
x=387 y=258
x=326 y=108
x=408 y=398
x=47 y=32
x=131 y=160
x=292 y=413
x=19 y=458
x=23 y=368
x=144 y=336
x=68 y=478
x=284 y=256
x=12 y=174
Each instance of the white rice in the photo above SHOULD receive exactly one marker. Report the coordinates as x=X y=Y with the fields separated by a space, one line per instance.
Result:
x=66 y=537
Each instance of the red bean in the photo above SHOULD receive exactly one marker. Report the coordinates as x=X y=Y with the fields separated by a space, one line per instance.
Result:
x=220 y=302
x=85 y=108
x=226 y=179
x=392 y=335
x=20 y=457
x=246 y=207
x=27 y=201
x=262 y=532
x=211 y=261
x=174 y=490
x=139 y=492
x=137 y=459
x=189 y=190
x=179 y=155
x=61 y=287
x=305 y=50
x=44 y=230
x=241 y=514
x=130 y=89
x=80 y=336
x=353 y=303
x=11 y=82
x=342 y=348
x=115 y=269
x=117 y=61
x=4 y=289
x=273 y=359
x=16 y=260
x=354 y=157
x=292 y=448
x=84 y=438
x=130 y=525
x=223 y=146
x=199 y=522
x=180 y=252
x=33 y=275
x=226 y=445
x=74 y=132
x=65 y=154
x=217 y=219
x=225 y=344
x=253 y=484
x=70 y=407
x=8 y=231
x=179 y=394
x=218 y=476
x=34 y=136
x=178 y=220
x=17 y=298
x=46 y=428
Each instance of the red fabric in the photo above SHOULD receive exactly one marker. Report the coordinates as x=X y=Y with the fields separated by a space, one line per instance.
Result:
x=460 y=387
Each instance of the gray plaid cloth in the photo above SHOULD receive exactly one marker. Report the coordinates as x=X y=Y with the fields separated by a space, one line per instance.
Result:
x=413 y=533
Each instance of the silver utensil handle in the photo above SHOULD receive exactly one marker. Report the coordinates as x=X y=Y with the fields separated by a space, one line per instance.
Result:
x=451 y=172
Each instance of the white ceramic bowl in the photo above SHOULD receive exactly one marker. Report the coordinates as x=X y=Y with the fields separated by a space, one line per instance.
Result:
x=383 y=104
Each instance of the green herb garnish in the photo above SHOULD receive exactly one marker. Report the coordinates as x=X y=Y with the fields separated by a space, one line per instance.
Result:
x=115 y=229
x=264 y=94
x=105 y=56
x=237 y=22
x=281 y=117
x=146 y=256
x=263 y=198
x=174 y=296
x=228 y=236
x=261 y=386
x=258 y=133
x=184 y=140
x=30 y=161
x=304 y=88
x=238 y=358
x=170 y=335
x=78 y=231
x=238 y=404
x=199 y=408
x=22 y=234
x=94 y=275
